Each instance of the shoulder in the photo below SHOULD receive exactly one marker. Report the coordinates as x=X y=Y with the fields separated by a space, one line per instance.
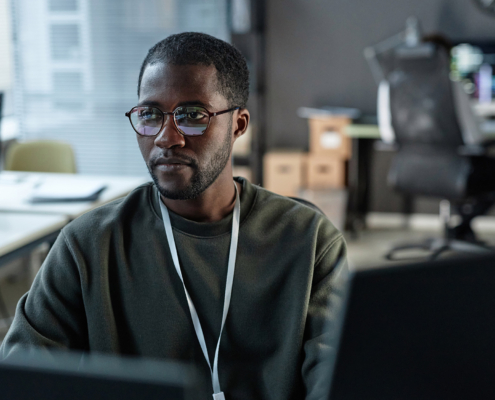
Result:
x=114 y=213
x=289 y=209
x=285 y=215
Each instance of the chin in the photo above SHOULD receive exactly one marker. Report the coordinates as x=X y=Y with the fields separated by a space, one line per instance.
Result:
x=176 y=190
x=187 y=193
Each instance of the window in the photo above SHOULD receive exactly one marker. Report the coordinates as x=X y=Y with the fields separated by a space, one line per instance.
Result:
x=84 y=57
x=67 y=82
x=63 y=5
x=64 y=42
x=68 y=91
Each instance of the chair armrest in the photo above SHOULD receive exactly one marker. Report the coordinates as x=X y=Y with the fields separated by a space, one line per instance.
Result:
x=472 y=150
x=485 y=148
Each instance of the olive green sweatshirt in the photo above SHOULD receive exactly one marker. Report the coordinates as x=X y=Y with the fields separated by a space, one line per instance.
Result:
x=109 y=285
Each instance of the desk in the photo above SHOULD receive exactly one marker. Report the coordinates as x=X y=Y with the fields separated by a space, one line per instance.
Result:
x=359 y=131
x=21 y=232
x=16 y=187
x=362 y=131
x=359 y=174
x=484 y=110
x=24 y=225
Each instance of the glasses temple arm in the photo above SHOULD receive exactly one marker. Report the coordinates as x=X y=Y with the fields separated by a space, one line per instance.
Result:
x=225 y=111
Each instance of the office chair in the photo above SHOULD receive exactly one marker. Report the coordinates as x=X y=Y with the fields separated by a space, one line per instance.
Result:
x=41 y=156
x=440 y=152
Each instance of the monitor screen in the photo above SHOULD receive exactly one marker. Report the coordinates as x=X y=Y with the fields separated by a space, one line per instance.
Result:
x=473 y=64
x=56 y=375
x=418 y=331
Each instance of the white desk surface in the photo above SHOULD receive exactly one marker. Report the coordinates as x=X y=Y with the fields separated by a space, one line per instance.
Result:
x=16 y=188
x=484 y=110
x=20 y=229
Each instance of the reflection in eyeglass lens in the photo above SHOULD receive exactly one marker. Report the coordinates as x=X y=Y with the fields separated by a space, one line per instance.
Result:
x=192 y=121
x=147 y=120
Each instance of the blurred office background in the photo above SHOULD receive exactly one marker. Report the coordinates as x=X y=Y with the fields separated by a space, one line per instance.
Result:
x=76 y=65
x=69 y=69
x=315 y=51
x=315 y=58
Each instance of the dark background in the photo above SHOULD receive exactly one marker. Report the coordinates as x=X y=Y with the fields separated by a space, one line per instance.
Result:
x=314 y=51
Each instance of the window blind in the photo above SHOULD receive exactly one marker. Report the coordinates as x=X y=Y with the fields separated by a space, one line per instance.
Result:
x=77 y=65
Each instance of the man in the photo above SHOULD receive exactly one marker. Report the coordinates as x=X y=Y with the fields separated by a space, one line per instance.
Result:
x=113 y=280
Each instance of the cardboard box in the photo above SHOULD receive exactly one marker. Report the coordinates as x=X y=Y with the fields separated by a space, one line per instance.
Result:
x=327 y=137
x=283 y=172
x=325 y=172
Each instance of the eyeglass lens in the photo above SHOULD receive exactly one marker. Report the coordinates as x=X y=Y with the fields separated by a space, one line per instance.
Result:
x=191 y=121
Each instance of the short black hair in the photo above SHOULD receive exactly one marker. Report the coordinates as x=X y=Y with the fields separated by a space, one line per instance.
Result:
x=194 y=48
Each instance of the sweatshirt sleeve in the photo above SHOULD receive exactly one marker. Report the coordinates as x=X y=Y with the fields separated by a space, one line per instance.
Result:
x=51 y=314
x=322 y=324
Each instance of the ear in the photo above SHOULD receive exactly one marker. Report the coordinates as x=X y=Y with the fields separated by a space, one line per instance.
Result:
x=241 y=122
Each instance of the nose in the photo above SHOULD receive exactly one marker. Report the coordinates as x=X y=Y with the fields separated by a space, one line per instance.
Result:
x=169 y=136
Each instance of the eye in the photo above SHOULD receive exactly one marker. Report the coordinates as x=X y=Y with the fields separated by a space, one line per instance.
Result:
x=195 y=115
x=191 y=115
x=147 y=114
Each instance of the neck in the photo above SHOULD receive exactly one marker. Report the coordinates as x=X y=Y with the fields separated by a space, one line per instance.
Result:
x=214 y=204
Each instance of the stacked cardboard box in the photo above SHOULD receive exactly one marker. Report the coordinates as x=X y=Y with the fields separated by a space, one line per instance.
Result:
x=324 y=167
x=329 y=150
x=283 y=172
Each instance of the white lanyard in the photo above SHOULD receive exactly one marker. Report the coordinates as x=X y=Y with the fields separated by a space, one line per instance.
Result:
x=217 y=392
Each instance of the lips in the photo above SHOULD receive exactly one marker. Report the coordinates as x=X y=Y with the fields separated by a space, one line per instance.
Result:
x=171 y=161
x=171 y=164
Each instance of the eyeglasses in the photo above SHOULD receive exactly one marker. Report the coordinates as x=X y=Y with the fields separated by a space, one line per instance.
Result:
x=189 y=120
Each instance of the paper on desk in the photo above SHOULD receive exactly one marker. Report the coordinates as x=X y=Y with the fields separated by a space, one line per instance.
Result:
x=65 y=191
x=8 y=179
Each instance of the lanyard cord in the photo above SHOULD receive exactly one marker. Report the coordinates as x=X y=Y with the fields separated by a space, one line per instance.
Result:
x=228 y=287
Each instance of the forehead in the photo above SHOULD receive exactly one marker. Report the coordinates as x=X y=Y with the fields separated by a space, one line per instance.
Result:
x=169 y=84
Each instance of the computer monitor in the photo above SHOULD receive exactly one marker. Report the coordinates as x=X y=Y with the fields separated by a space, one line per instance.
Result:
x=418 y=331
x=473 y=64
x=38 y=374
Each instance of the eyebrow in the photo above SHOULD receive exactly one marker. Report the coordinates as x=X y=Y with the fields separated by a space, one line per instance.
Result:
x=152 y=103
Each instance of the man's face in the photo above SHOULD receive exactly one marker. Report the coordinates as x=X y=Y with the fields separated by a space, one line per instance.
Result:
x=183 y=167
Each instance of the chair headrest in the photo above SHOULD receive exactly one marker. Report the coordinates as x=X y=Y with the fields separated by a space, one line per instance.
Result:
x=423 y=50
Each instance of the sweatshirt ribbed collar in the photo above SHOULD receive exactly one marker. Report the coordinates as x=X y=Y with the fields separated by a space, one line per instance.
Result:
x=208 y=229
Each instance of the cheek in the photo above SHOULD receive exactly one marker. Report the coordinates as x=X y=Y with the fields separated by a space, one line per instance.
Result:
x=217 y=147
x=145 y=146
x=200 y=148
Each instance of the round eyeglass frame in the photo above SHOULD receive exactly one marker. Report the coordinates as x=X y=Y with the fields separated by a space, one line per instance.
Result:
x=173 y=113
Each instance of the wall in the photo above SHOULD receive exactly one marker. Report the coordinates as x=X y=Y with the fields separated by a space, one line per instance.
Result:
x=315 y=52
x=315 y=58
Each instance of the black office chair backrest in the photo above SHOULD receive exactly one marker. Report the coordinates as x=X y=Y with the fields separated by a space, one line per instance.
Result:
x=421 y=100
x=425 y=123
